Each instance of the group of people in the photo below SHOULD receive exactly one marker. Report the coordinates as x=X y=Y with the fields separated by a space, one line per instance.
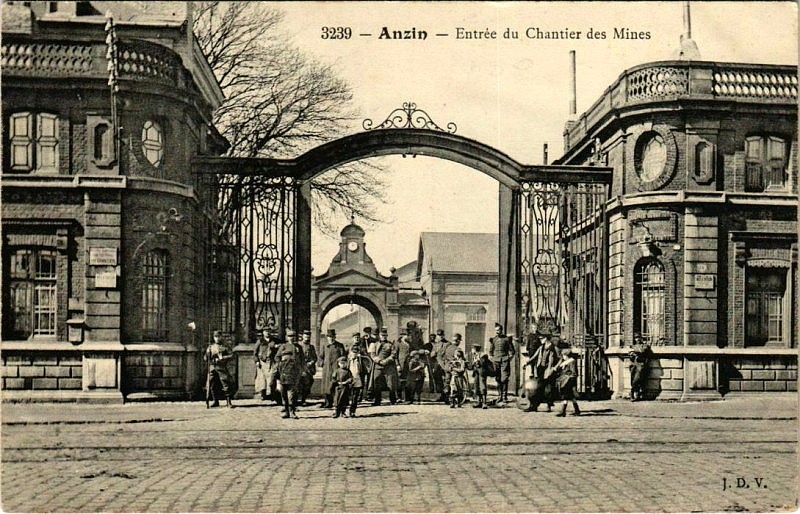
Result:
x=285 y=370
x=553 y=375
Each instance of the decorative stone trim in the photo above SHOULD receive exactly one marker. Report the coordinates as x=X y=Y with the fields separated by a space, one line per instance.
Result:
x=668 y=171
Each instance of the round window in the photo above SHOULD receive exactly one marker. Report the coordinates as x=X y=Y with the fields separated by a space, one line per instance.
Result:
x=654 y=158
x=152 y=142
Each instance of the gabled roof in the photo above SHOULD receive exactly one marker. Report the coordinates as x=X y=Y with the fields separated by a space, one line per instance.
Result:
x=457 y=252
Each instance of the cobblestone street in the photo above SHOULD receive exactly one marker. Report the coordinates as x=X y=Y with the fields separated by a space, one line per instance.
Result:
x=619 y=456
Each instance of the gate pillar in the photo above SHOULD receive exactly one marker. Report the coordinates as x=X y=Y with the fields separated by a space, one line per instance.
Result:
x=301 y=296
x=508 y=268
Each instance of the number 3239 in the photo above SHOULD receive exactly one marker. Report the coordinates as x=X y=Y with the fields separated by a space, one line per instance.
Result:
x=336 y=33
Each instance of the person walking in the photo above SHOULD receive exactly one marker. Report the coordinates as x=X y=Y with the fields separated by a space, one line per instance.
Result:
x=310 y=367
x=385 y=369
x=219 y=381
x=543 y=367
x=329 y=355
x=291 y=363
x=501 y=352
x=567 y=372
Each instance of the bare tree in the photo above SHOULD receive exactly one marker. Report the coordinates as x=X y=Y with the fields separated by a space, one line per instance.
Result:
x=280 y=103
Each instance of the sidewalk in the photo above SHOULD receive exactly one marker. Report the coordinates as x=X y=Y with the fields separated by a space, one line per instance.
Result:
x=774 y=406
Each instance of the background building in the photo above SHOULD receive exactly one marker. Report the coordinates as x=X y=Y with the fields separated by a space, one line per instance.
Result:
x=702 y=225
x=108 y=241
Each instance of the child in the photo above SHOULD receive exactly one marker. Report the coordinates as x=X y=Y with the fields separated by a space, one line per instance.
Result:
x=342 y=379
x=358 y=369
x=458 y=379
x=567 y=370
x=481 y=368
x=415 y=377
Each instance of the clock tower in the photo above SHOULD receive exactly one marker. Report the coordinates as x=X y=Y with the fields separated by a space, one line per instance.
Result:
x=352 y=250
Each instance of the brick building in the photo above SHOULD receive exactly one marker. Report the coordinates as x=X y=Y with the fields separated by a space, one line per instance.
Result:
x=107 y=242
x=702 y=222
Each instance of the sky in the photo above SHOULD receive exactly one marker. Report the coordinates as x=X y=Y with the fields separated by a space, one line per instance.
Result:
x=511 y=94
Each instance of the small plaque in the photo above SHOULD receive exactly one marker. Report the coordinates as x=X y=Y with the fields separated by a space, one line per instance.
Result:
x=102 y=256
x=105 y=280
x=704 y=282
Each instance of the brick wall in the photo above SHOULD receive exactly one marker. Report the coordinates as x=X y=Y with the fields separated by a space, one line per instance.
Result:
x=41 y=371
x=757 y=374
x=153 y=371
x=616 y=277
x=700 y=258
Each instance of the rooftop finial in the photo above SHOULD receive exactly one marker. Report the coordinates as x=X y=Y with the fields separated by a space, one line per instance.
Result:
x=688 y=48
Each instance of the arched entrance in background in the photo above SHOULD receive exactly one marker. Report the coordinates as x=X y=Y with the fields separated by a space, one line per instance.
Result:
x=371 y=305
x=552 y=225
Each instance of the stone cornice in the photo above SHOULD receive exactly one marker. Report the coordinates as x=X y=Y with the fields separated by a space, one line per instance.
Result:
x=650 y=199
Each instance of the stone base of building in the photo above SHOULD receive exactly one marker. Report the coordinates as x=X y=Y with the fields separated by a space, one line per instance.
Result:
x=107 y=372
x=22 y=396
x=707 y=373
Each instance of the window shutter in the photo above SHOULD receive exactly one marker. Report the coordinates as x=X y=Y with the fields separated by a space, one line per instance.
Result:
x=21 y=130
x=47 y=143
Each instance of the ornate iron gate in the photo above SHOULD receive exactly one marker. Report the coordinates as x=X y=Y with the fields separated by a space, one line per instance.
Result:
x=255 y=247
x=562 y=269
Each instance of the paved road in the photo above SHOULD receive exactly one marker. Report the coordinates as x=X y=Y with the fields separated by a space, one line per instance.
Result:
x=168 y=457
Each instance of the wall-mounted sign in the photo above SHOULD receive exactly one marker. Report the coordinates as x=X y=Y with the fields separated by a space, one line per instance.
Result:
x=102 y=256
x=105 y=280
x=704 y=282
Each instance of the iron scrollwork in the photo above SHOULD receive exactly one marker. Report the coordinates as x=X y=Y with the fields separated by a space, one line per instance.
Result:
x=409 y=117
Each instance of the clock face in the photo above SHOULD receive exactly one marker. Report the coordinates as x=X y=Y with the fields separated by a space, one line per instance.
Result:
x=352 y=246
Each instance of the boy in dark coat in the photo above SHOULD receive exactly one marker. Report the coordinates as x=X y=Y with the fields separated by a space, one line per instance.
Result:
x=482 y=369
x=342 y=380
x=415 y=377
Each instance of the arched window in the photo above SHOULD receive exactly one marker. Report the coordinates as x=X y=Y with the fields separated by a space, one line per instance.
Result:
x=154 y=295
x=649 y=300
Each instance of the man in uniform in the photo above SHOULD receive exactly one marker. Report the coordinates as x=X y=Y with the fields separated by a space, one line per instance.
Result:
x=329 y=355
x=310 y=358
x=291 y=363
x=501 y=352
x=261 y=356
x=219 y=381
x=441 y=374
x=403 y=351
x=435 y=341
x=385 y=369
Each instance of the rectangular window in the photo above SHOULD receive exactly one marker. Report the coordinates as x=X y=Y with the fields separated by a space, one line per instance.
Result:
x=765 y=163
x=154 y=296
x=765 y=314
x=32 y=294
x=33 y=142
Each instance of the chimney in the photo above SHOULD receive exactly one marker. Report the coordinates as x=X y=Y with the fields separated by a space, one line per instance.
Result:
x=573 y=101
x=544 y=154
x=688 y=50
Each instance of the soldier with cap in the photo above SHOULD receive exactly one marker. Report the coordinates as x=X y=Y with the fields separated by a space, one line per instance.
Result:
x=329 y=355
x=359 y=364
x=219 y=382
x=438 y=362
x=501 y=352
x=291 y=363
x=263 y=354
x=385 y=369
x=310 y=358
x=403 y=351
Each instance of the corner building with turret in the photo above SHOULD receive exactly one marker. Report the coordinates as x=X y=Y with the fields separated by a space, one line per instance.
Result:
x=702 y=223
x=107 y=239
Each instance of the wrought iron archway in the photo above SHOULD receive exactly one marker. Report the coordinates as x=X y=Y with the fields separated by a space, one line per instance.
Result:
x=553 y=267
